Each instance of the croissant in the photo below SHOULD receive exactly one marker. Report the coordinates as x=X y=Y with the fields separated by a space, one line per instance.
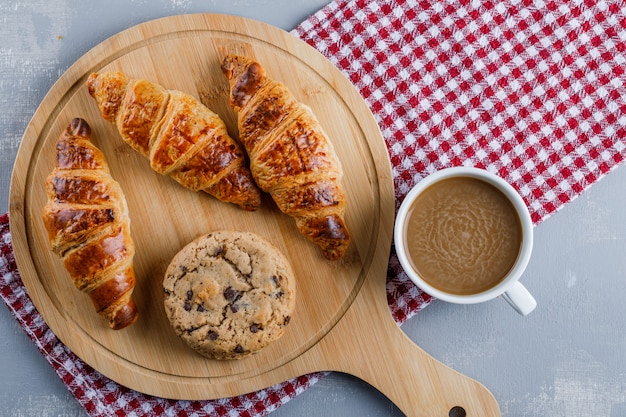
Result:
x=291 y=157
x=87 y=221
x=180 y=136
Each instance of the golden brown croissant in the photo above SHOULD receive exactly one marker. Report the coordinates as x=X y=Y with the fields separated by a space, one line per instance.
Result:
x=290 y=155
x=181 y=137
x=87 y=221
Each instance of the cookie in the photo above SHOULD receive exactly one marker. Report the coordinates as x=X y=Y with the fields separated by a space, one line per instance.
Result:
x=229 y=294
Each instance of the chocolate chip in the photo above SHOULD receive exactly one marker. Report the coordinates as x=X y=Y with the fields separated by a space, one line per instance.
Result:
x=275 y=279
x=189 y=295
x=201 y=308
x=234 y=308
x=219 y=251
x=287 y=320
x=254 y=328
x=238 y=349
x=187 y=307
x=230 y=293
x=213 y=335
x=279 y=294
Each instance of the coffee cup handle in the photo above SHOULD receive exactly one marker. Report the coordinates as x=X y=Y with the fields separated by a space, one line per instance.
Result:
x=520 y=299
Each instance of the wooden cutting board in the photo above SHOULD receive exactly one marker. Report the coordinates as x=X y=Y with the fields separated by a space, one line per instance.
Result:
x=342 y=320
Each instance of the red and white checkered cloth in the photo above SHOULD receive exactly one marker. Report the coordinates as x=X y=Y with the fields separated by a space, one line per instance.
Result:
x=531 y=90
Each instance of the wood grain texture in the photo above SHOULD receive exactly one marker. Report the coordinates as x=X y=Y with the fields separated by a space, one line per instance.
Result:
x=342 y=319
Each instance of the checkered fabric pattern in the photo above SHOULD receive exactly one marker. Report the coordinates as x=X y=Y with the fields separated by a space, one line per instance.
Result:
x=533 y=91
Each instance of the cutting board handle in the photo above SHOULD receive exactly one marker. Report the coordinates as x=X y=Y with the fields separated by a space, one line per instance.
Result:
x=381 y=354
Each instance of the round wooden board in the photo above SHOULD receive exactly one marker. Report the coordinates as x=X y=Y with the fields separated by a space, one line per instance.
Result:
x=184 y=53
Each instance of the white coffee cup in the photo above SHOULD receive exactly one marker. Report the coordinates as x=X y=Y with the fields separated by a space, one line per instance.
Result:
x=509 y=286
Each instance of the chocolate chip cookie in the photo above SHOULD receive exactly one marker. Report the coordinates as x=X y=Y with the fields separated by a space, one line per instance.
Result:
x=229 y=294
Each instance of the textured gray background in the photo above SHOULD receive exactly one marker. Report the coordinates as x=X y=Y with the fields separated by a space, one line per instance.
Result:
x=565 y=359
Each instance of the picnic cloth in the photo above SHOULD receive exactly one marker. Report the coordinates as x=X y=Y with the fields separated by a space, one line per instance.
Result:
x=530 y=90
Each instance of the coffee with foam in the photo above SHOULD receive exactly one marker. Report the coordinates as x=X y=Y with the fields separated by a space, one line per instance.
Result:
x=463 y=235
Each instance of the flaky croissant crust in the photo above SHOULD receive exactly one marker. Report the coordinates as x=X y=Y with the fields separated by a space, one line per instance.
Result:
x=180 y=136
x=291 y=157
x=86 y=218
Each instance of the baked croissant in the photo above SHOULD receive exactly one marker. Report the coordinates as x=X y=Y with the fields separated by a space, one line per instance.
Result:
x=181 y=137
x=290 y=155
x=87 y=221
